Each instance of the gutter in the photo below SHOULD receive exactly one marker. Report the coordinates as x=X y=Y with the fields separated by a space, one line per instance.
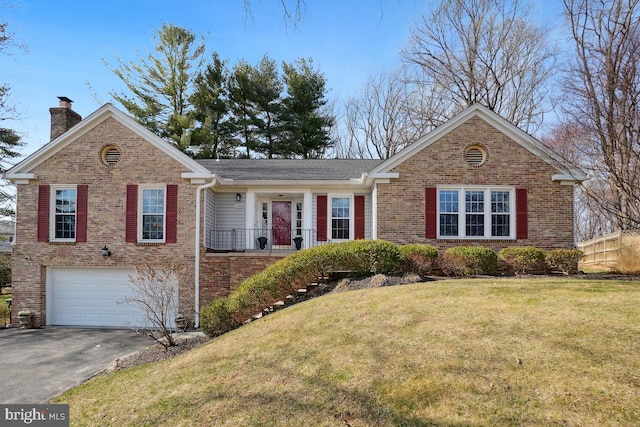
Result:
x=197 y=252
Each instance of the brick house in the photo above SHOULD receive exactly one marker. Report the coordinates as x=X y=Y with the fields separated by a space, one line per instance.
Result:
x=106 y=194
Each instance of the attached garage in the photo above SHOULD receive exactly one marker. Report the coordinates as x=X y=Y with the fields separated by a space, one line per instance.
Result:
x=91 y=297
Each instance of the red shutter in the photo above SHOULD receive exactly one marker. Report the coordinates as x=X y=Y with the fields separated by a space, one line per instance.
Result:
x=172 y=214
x=81 y=213
x=131 y=214
x=321 y=218
x=522 y=221
x=358 y=216
x=43 y=213
x=430 y=213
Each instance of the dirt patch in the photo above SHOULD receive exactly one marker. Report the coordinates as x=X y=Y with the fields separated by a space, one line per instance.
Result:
x=376 y=281
x=157 y=352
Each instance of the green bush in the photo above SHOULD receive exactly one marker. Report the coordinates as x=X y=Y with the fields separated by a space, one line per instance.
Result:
x=418 y=258
x=524 y=259
x=5 y=273
x=469 y=260
x=564 y=260
x=216 y=319
x=289 y=274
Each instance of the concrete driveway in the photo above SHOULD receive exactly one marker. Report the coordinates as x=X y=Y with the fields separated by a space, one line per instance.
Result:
x=38 y=364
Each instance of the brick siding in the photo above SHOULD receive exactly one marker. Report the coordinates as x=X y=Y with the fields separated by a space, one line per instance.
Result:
x=401 y=203
x=79 y=163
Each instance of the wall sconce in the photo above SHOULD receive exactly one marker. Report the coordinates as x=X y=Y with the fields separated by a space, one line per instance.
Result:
x=106 y=253
x=238 y=197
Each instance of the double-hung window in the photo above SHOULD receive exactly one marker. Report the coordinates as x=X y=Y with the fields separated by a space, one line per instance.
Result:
x=64 y=213
x=476 y=213
x=340 y=217
x=152 y=214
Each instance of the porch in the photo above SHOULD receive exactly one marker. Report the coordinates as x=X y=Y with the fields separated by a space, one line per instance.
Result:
x=261 y=239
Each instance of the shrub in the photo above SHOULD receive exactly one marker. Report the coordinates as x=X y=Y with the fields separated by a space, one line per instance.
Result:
x=469 y=260
x=4 y=314
x=216 y=319
x=287 y=275
x=564 y=260
x=418 y=258
x=629 y=259
x=5 y=273
x=524 y=259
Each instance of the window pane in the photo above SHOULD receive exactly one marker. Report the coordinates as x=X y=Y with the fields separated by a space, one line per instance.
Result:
x=448 y=201
x=500 y=201
x=153 y=201
x=152 y=227
x=475 y=225
x=448 y=224
x=65 y=227
x=339 y=228
x=500 y=225
x=474 y=201
x=66 y=201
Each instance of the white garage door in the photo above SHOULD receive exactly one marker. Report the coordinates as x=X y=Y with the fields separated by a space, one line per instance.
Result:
x=90 y=297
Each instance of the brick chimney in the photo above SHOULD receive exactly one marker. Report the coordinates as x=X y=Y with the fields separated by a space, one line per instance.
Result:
x=63 y=117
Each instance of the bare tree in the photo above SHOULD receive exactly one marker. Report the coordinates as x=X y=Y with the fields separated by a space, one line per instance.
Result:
x=390 y=113
x=488 y=52
x=603 y=86
x=155 y=293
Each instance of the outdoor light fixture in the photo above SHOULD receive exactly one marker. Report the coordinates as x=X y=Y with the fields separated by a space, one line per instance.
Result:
x=238 y=197
x=106 y=253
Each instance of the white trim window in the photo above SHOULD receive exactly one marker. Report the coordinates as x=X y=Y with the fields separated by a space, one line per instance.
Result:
x=152 y=214
x=63 y=213
x=341 y=217
x=476 y=213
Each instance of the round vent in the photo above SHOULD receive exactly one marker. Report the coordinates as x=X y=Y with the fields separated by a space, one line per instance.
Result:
x=475 y=155
x=110 y=155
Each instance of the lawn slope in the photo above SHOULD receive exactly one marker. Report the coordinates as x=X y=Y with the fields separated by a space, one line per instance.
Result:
x=449 y=353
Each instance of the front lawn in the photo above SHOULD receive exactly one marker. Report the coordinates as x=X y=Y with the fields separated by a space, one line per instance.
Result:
x=478 y=352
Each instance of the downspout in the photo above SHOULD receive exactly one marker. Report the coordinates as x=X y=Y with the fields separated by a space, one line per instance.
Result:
x=197 y=261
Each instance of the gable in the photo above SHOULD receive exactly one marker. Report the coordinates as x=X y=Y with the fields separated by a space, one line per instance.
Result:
x=479 y=125
x=106 y=126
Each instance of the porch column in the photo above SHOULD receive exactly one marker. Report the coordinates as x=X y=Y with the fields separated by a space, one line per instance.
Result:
x=250 y=219
x=307 y=217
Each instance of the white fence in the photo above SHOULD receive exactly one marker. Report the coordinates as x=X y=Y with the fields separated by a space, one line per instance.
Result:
x=606 y=249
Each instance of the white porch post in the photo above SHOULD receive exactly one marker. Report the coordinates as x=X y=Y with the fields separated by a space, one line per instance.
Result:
x=250 y=218
x=307 y=217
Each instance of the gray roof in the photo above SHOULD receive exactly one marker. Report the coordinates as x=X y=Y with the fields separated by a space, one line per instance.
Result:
x=288 y=169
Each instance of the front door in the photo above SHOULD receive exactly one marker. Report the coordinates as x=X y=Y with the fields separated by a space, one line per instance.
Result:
x=281 y=223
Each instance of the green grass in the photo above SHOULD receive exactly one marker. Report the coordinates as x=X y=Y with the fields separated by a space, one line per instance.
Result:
x=448 y=353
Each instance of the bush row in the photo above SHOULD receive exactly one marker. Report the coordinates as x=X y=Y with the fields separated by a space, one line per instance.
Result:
x=477 y=260
x=364 y=257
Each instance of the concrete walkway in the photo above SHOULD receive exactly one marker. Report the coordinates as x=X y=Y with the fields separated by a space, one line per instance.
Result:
x=39 y=364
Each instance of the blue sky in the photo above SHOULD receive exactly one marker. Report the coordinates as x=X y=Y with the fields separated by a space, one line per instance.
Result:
x=67 y=41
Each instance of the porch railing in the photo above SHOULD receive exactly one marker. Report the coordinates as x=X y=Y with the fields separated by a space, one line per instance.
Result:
x=262 y=239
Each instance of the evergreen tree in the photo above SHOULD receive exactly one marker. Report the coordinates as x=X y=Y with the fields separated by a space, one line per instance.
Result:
x=306 y=126
x=242 y=106
x=267 y=89
x=160 y=85
x=10 y=141
x=212 y=138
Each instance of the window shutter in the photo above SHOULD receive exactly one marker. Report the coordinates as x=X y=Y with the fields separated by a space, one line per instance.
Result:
x=522 y=220
x=43 y=213
x=358 y=216
x=131 y=214
x=82 y=193
x=430 y=213
x=172 y=214
x=321 y=218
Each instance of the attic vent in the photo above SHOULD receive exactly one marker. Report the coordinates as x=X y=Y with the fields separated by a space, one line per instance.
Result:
x=110 y=155
x=475 y=155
